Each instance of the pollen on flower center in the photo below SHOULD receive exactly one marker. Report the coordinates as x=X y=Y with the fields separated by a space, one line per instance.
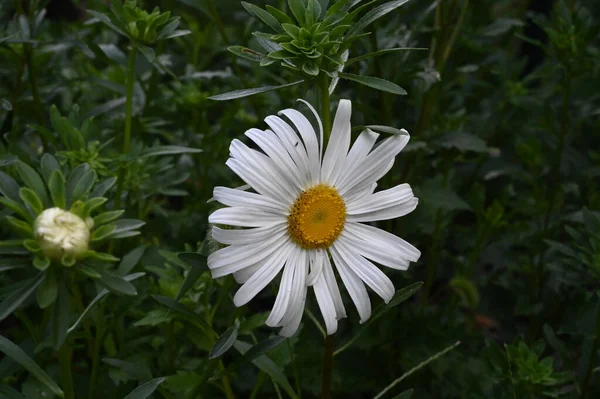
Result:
x=317 y=217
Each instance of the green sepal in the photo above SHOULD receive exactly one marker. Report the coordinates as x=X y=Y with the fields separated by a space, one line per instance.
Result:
x=68 y=260
x=47 y=291
x=32 y=245
x=30 y=198
x=20 y=227
x=41 y=262
x=102 y=232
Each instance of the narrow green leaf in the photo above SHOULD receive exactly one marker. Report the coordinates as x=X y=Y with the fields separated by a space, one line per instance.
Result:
x=18 y=296
x=101 y=188
x=145 y=390
x=382 y=52
x=116 y=283
x=130 y=260
x=147 y=52
x=373 y=15
x=18 y=355
x=313 y=12
x=103 y=232
x=82 y=188
x=250 y=92
x=60 y=316
x=92 y=204
x=264 y=16
x=9 y=187
x=101 y=256
x=246 y=53
x=8 y=392
x=404 y=395
x=20 y=227
x=56 y=185
x=126 y=225
x=107 y=217
x=17 y=208
x=280 y=16
x=225 y=341
x=169 y=150
x=376 y=83
x=190 y=279
x=97 y=299
x=194 y=259
x=383 y=129
x=30 y=198
x=184 y=311
x=298 y=9
x=140 y=372
x=33 y=180
x=268 y=366
x=257 y=350
x=48 y=291
x=48 y=164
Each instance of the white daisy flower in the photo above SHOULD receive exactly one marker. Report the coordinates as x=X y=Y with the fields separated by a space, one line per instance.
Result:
x=308 y=208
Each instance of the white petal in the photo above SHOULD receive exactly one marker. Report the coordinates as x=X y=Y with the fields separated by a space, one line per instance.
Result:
x=262 y=164
x=269 y=268
x=275 y=149
x=312 y=109
x=360 y=149
x=392 y=212
x=372 y=234
x=368 y=272
x=338 y=145
x=285 y=289
x=380 y=200
x=236 y=257
x=233 y=197
x=376 y=251
x=358 y=193
x=292 y=144
x=326 y=305
x=353 y=284
x=310 y=140
x=370 y=169
x=296 y=304
x=246 y=236
x=241 y=276
x=316 y=267
x=244 y=217
x=333 y=288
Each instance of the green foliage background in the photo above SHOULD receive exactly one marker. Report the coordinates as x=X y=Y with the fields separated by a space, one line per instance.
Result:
x=504 y=113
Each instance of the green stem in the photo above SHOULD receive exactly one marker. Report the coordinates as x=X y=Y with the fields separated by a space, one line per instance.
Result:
x=432 y=260
x=64 y=360
x=128 y=117
x=295 y=367
x=590 y=367
x=258 y=385
x=100 y=329
x=327 y=368
x=325 y=107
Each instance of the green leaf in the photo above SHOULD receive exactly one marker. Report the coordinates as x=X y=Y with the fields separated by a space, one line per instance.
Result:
x=190 y=279
x=280 y=16
x=169 y=150
x=400 y=296
x=13 y=263
x=126 y=225
x=103 y=232
x=48 y=165
x=145 y=390
x=18 y=355
x=257 y=350
x=383 y=129
x=21 y=227
x=116 y=283
x=462 y=141
x=376 y=83
x=9 y=187
x=194 y=259
x=225 y=341
x=264 y=16
x=101 y=256
x=442 y=198
x=92 y=204
x=131 y=259
x=60 y=316
x=246 y=53
x=250 y=92
x=17 y=208
x=81 y=189
x=184 y=311
x=373 y=15
x=97 y=299
x=30 y=198
x=56 y=185
x=107 y=217
x=382 y=52
x=140 y=372
x=7 y=392
x=147 y=52
x=41 y=262
x=101 y=188
x=404 y=395
x=33 y=180
x=298 y=9
x=268 y=366
x=19 y=295
x=48 y=291
x=313 y=12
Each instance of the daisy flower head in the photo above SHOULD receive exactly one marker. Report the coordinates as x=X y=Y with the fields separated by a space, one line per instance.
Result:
x=306 y=215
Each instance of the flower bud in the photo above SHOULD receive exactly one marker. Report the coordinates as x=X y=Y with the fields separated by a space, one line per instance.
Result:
x=61 y=234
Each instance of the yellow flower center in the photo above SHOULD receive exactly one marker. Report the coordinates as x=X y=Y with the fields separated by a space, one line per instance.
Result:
x=317 y=217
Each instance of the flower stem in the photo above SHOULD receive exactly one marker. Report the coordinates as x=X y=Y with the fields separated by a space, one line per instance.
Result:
x=327 y=368
x=325 y=107
x=128 y=116
x=64 y=360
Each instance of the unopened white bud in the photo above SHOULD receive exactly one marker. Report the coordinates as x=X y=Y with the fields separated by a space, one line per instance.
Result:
x=61 y=233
